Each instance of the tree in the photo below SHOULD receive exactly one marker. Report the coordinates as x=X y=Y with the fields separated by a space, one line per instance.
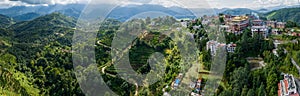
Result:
x=244 y=91
x=272 y=82
x=251 y=93
x=291 y=24
x=239 y=79
x=42 y=62
x=261 y=90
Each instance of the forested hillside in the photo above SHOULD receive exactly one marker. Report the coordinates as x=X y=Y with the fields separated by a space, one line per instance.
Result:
x=5 y=21
x=35 y=57
x=286 y=14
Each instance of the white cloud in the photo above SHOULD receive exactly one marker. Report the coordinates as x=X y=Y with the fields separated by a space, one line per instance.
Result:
x=48 y=1
x=9 y=3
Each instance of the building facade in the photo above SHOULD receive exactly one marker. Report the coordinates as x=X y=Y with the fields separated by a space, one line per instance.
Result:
x=239 y=24
x=287 y=86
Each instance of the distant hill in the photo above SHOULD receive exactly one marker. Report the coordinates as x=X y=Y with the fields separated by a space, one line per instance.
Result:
x=44 y=10
x=45 y=26
x=122 y=13
x=27 y=16
x=23 y=13
x=263 y=10
x=126 y=12
x=5 y=21
x=286 y=14
x=238 y=11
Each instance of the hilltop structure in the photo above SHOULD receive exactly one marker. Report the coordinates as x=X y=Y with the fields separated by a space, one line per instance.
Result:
x=237 y=24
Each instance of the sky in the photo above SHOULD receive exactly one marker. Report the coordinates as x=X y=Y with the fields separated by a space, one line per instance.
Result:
x=253 y=4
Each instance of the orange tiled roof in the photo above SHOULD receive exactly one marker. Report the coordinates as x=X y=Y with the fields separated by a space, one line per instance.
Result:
x=279 y=89
x=297 y=94
x=286 y=84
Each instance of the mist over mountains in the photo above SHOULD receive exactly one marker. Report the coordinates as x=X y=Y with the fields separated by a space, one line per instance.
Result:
x=123 y=13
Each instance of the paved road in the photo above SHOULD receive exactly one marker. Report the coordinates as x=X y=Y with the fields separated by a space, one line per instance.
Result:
x=295 y=64
x=99 y=42
x=107 y=65
x=276 y=43
x=136 y=89
x=297 y=83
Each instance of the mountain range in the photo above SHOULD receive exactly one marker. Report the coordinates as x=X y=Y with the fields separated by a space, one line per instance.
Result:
x=122 y=13
x=285 y=14
x=5 y=21
x=48 y=26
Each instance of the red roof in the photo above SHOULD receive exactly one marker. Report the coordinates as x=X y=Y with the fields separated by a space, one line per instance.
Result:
x=279 y=93
x=286 y=84
x=233 y=45
x=294 y=94
x=279 y=89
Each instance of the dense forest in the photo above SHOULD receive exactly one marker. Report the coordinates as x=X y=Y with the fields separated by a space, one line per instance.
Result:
x=36 y=56
x=284 y=15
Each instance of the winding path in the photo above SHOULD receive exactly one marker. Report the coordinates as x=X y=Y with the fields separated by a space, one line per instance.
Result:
x=109 y=64
x=276 y=43
x=295 y=64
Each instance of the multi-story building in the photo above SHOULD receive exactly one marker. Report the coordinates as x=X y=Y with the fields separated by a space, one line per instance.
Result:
x=231 y=47
x=259 y=26
x=276 y=31
x=287 y=86
x=264 y=30
x=213 y=46
x=275 y=24
x=280 y=25
x=238 y=24
x=271 y=24
x=257 y=22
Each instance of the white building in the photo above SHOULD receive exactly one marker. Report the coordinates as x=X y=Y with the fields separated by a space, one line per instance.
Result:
x=287 y=86
x=264 y=30
x=231 y=47
x=225 y=27
x=213 y=46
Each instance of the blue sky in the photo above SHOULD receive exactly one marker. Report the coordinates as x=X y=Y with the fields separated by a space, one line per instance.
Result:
x=187 y=3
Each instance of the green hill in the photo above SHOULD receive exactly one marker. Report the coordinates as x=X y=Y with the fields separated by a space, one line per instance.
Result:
x=286 y=14
x=238 y=11
x=36 y=59
x=5 y=21
x=27 y=16
x=43 y=28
